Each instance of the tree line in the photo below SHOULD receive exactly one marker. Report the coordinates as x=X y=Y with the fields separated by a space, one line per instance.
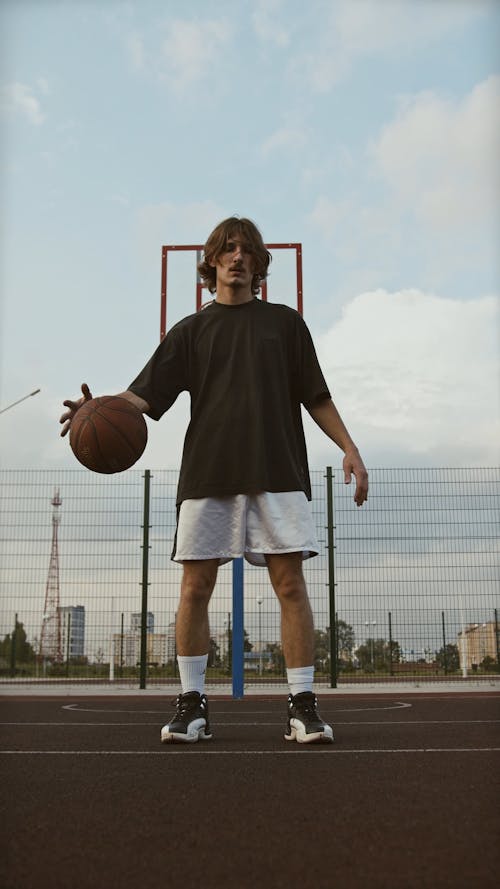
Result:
x=374 y=655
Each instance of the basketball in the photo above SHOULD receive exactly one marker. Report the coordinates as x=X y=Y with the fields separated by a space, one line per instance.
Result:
x=108 y=434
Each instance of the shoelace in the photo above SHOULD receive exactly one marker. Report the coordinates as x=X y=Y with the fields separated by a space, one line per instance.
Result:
x=305 y=702
x=182 y=706
x=309 y=708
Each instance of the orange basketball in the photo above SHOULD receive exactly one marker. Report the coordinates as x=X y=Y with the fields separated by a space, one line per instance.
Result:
x=108 y=434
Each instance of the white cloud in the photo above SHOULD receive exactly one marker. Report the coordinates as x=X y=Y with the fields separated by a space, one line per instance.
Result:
x=329 y=215
x=440 y=157
x=419 y=374
x=122 y=199
x=135 y=48
x=352 y=30
x=284 y=139
x=30 y=434
x=270 y=21
x=43 y=85
x=364 y=243
x=20 y=98
x=437 y=222
x=169 y=223
x=179 y=52
x=372 y=26
x=190 y=49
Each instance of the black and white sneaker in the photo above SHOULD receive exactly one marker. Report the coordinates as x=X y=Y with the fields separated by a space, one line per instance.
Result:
x=304 y=722
x=190 y=721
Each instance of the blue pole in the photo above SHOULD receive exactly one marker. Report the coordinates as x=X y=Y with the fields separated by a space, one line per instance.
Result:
x=238 y=631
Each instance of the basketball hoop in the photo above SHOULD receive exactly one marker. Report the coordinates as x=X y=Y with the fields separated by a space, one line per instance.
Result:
x=199 y=285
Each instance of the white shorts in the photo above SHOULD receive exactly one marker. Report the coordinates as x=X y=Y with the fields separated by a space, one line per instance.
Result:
x=250 y=525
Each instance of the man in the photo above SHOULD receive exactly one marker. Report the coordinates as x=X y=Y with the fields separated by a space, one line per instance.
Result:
x=244 y=484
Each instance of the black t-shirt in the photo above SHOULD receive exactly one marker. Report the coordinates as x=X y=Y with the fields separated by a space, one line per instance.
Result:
x=248 y=368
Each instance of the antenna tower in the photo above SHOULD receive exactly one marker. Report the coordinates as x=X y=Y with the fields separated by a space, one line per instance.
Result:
x=50 y=637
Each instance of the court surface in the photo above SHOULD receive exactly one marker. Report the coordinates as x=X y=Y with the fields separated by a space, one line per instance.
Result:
x=408 y=796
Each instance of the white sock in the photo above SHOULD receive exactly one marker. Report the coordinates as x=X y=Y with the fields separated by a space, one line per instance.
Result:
x=192 y=672
x=300 y=679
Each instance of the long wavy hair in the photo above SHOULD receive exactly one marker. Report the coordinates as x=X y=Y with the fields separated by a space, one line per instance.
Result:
x=216 y=244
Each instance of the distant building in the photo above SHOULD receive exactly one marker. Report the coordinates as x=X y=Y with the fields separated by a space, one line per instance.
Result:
x=136 y=621
x=477 y=643
x=160 y=647
x=127 y=649
x=256 y=661
x=72 y=631
x=171 y=645
x=417 y=655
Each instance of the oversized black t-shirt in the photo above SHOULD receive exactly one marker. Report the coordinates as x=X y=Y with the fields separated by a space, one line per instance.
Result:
x=248 y=368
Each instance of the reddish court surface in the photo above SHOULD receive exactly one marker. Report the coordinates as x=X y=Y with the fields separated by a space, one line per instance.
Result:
x=408 y=796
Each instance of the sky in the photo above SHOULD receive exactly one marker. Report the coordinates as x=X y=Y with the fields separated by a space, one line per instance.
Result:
x=366 y=130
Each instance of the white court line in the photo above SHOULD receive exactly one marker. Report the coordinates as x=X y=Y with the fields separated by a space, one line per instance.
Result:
x=104 y=724
x=327 y=749
x=397 y=705
x=223 y=723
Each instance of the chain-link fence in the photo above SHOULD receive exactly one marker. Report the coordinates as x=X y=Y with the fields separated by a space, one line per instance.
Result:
x=409 y=582
x=417 y=573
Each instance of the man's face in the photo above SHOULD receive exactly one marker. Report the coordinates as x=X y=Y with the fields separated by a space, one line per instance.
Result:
x=235 y=265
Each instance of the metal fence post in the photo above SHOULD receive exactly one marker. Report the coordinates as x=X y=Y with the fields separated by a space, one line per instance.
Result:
x=238 y=640
x=121 y=642
x=68 y=643
x=145 y=579
x=497 y=640
x=445 y=656
x=391 y=671
x=331 y=577
x=13 y=640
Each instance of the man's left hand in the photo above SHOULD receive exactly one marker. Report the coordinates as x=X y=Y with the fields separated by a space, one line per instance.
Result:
x=353 y=465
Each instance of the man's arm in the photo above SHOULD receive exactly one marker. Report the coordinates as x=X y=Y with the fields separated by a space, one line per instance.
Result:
x=73 y=406
x=327 y=417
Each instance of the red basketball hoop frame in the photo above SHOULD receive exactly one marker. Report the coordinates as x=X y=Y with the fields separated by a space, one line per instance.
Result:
x=199 y=286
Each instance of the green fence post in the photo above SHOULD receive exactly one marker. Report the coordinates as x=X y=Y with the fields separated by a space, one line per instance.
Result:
x=331 y=577
x=391 y=671
x=336 y=638
x=238 y=634
x=175 y=647
x=13 y=641
x=121 y=643
x=497 y=640
x=68 y=642
x=145 y=579
x=445 y=657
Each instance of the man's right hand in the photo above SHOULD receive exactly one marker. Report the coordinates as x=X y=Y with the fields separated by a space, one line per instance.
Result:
x=73 y=406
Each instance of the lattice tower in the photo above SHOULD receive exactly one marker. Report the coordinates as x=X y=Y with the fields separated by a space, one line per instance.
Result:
x=50 y=637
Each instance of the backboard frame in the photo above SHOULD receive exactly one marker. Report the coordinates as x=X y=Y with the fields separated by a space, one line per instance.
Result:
x=199 y=287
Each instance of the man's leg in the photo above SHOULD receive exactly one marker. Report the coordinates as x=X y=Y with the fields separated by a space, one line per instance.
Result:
x=192 y=628
x=297 y=632
x=297 y=625
x=190 y=722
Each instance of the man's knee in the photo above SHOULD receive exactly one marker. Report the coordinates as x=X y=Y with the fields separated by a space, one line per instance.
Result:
x=287 y=577
x=198 y=580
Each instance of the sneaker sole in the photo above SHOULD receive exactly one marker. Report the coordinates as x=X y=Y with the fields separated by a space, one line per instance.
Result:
x=299 y=735
x=195 y=733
